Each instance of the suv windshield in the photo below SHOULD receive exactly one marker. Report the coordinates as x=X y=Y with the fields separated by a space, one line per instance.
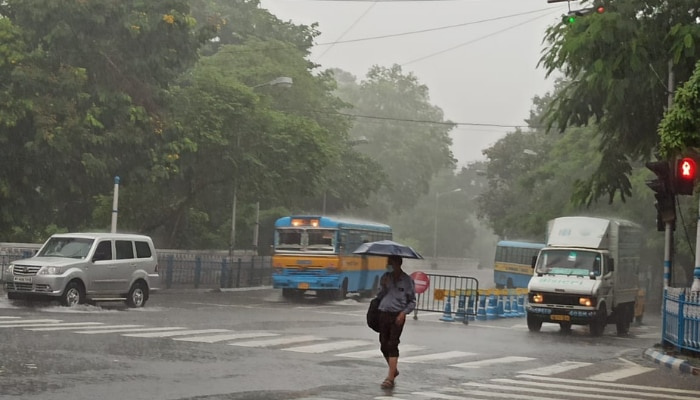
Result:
x=568 y=262
x=66 y=247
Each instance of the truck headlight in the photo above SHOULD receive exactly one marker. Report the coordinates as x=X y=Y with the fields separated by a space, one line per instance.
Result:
x=586 y=301
x=537 y=298
x=50 y=271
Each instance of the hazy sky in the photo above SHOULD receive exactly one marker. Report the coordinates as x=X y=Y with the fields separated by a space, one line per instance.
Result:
x=478 y=72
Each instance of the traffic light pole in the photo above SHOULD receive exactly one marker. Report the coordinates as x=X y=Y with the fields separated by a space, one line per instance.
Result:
x=696 y=272
x=668 y=240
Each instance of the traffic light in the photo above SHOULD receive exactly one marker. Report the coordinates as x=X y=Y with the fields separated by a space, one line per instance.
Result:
x=685 y=176
x=663 y=192
x=571 y=17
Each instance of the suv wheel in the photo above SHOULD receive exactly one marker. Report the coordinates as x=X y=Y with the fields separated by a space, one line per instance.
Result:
x=138 y=294
x=73 y=295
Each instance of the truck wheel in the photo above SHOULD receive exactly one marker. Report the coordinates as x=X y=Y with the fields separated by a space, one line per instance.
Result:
x=292 y=294
x=623 y=320
x=533 y=324
x=597 y=327
x=73 y=295
x=341 y=292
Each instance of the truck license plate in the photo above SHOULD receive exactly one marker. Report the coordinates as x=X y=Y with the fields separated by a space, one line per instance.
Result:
x=303 y=285
x=23 y=279
x=560 y=317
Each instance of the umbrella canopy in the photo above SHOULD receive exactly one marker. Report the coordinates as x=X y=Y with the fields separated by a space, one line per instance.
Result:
x=387 y=248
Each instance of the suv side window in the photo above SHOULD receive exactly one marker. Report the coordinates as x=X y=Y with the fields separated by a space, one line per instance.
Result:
x=125 y=249
x=103 y=251
x=143 y=250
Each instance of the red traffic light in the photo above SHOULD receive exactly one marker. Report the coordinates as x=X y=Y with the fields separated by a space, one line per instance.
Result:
x=685 y=176
x=686 y=169
x=600 y=9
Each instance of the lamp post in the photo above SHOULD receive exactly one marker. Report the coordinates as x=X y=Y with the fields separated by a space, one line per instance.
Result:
x=435 y=230
x=282 y=81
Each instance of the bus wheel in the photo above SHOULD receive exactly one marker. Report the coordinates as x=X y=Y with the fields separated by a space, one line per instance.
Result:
x=341 y=292
x=291 y=294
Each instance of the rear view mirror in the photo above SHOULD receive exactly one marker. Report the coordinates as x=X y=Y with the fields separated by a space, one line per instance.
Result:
x=533 y=262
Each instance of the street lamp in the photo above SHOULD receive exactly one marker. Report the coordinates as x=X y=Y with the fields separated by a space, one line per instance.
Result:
x=282 y=81
x=435 y=231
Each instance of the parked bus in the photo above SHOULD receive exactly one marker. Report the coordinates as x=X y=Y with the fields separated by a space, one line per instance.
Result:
x=315 y=253
x=513 y=263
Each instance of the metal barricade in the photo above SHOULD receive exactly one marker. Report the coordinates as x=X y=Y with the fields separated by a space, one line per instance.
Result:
x=448 y=294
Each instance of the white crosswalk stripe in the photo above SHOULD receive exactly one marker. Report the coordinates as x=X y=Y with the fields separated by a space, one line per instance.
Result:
x=60 y=327
x=225 y=337
x=124 y=330
x=436 y=356
x=187 y=332
x=492 y=361
x=72 y=325
x=330 y=346
x=376 y=354
x=556 y=368
x=277 y=341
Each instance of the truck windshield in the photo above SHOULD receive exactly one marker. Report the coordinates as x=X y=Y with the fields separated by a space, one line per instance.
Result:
x=568 y=262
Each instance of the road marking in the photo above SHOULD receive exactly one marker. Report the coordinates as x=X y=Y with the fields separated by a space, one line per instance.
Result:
x=366 y=354
x=499 y=395
x=435 y=395
x=607 y=393
x=548 y=379
x=436 y=356
x=30 y=327
x=510 y=386
x=277 y=341
x=221 y=338
x=492 y=361
x=556 y=368
x=330 y=346
x=632 y=369
x=61 y=327
x=8 y=317
x=121 y=330
x=10 y=324
x=175 y=333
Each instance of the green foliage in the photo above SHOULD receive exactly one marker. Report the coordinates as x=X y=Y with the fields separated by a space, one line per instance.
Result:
x=680 y=128
x=615 y=65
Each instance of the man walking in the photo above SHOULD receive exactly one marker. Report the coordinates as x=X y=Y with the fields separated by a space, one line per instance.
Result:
x=398 y=299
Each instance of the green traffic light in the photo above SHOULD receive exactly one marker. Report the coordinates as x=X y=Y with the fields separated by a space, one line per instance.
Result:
x=571 y=19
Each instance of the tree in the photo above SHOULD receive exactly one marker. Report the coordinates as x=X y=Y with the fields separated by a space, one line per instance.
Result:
x=409 y=136
x=85 y=101
x=615 y=65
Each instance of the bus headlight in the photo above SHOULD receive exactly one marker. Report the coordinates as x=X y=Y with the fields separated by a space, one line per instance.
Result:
x=586 y=301
x=537 y=298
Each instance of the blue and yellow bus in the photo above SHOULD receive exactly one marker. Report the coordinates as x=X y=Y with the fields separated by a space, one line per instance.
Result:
x=513 y=263
x=315 y=253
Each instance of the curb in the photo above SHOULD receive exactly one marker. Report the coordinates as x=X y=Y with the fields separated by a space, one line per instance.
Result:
x=674 y=363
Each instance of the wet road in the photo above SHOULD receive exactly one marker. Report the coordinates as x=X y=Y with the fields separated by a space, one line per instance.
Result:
x=254 y=345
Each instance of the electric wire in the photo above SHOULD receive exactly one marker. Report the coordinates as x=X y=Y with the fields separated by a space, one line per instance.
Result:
x=480 y=38
x=374 y=3
x=434 y=29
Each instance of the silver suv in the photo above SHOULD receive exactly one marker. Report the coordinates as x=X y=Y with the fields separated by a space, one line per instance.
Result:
x=79 y=267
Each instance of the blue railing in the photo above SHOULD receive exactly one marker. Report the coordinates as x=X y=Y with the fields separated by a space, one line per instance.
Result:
x=681 y=319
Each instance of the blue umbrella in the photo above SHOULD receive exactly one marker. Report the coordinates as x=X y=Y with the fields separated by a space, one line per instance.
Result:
x=387 y=248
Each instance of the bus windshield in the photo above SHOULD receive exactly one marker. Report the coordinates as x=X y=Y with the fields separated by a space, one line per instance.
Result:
x=306 y=239
x=568 y=262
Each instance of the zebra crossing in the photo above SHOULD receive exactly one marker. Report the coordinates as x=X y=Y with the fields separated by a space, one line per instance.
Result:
x=537 y=387
x=311 y=344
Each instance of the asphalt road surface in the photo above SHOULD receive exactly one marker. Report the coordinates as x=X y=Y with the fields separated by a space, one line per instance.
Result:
x=252 y=344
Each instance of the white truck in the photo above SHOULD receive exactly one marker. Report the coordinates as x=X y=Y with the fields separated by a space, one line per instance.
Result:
x=587 y=274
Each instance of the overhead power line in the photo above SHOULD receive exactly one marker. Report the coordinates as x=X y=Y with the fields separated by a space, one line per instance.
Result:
x=419 y=121
x=480 y=38
x=350 y=27
x=436 y=29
